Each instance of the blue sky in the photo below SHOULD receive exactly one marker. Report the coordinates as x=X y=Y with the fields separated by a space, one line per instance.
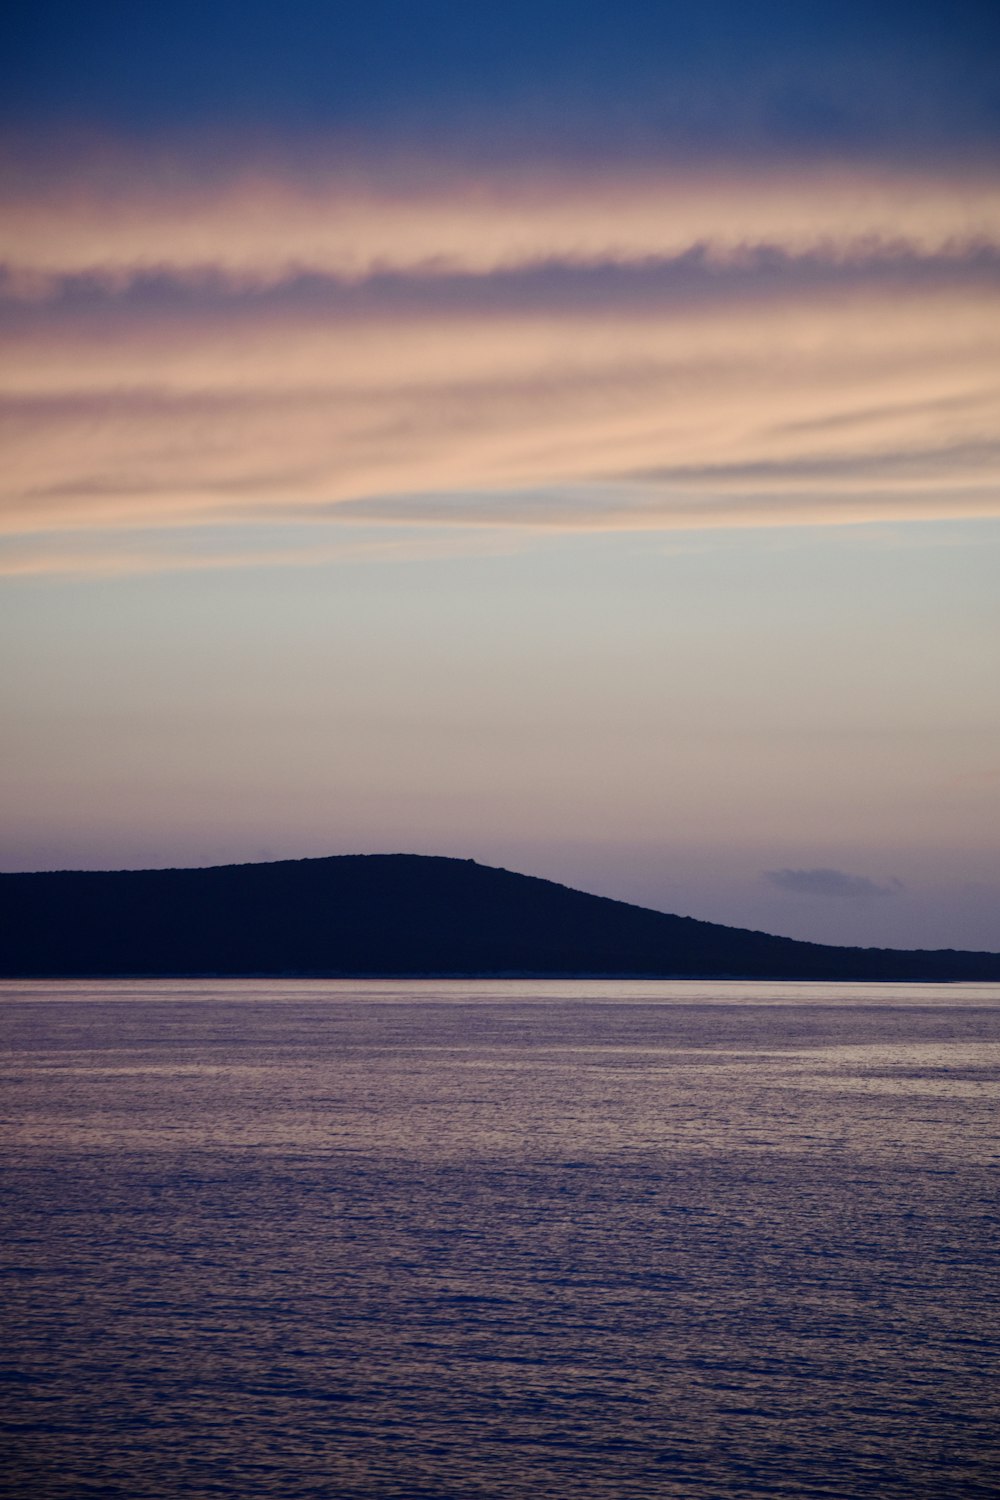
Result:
x=816 y=75
x=565 y=435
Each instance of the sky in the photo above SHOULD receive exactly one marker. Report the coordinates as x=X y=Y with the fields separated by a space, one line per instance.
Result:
x=562 y=435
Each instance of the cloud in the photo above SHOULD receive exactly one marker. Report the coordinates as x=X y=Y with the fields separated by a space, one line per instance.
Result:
x=825 y=882
x=121 y=216
x=104 y=554
x=657 y=349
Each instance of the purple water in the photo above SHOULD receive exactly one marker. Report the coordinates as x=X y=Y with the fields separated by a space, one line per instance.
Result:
x=503 y=1240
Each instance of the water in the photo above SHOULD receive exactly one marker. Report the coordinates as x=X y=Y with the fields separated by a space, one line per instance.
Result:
x=501 y=1240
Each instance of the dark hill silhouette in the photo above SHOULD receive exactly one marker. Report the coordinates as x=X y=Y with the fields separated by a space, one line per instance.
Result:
x=395 y=914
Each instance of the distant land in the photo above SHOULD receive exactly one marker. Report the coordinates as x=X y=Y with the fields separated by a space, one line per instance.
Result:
x=371 y=915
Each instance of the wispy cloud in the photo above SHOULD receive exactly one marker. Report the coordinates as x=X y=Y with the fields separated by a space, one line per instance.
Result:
x=118 y=218
x=654 y=349
x=109 y=553
x=827 y=882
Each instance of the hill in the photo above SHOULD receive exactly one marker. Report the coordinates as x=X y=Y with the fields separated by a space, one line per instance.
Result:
x=372 y=915
x=396 y=914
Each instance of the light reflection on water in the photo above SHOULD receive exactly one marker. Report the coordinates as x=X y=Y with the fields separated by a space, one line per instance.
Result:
x=499 y=1239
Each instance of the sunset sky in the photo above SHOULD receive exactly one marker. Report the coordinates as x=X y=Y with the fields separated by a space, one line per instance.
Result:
x=565 y=435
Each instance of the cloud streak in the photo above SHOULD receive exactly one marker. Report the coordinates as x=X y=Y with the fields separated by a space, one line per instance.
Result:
x=826 y=882
x=119 y=217
x=101 y=554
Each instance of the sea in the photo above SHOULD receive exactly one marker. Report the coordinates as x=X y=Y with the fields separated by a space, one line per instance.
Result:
x=504 y=1240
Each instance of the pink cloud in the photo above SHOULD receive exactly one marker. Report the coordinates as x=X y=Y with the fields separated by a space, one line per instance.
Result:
x=661 y=350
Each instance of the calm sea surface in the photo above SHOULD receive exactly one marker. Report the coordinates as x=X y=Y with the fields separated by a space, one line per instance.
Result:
x=516 y=1240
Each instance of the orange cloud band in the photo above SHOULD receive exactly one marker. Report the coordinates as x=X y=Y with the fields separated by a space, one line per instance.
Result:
x=120 y=218
x=740 y=352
